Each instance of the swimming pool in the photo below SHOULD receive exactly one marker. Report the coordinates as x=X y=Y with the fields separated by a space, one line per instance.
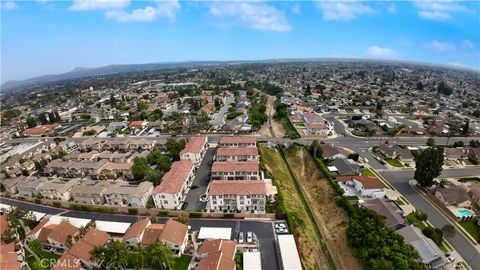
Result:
x=465 y=213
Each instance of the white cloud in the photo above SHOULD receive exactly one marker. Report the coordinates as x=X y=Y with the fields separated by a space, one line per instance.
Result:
x=84 y=5
x=343 y=11
x=392 y=8
x=438 y=10
x=163 y=9
x=296 y=9
x=252 y=15
x=467 y=44
x=439 y=46
x=379 y=52
x=9 y=5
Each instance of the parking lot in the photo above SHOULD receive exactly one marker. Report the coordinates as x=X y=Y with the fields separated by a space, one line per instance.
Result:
x=201 y=180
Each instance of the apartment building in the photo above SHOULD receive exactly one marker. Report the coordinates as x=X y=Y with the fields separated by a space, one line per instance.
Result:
x=237 y=196
x=195 y=149
x=90 y=191
x=237 y=154
x=58 y=189
x=173 y=189
x=238 y=141
x=29 y=186
x=123 y=193
x=235 y=170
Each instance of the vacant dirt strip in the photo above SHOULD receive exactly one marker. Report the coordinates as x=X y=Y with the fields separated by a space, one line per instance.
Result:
x=331 y=219
x=310 y=252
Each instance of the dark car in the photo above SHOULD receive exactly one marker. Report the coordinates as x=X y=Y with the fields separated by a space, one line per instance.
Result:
x=194 y=187
x=184 y=205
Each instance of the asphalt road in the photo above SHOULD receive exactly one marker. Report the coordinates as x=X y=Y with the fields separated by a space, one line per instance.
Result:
x=262 y=229
x=201 y=180
x=400 y=180
x=219 y=120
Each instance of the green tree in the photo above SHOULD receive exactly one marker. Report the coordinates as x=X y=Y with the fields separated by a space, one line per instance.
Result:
x=174 y=147
x=183 y=217
x=448 y=230
x=308 y=91
x=31 y=122
x=159 y=256
x=474 y=143
x=155 y=115
x=43 y=119
x=113 y=101
x=218 y=104
x=476 y=113
x=160 y=160
x=465 y=128
x=141 y=106
x=140 y=168
x=316 y=149
x=428 y=166
x=116 y=255
x=431 y=142
x=458 y=144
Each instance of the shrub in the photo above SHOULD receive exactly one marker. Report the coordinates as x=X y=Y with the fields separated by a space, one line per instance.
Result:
x=132 y=211
x=57 y=204
x=38 y=201
x=195 y=214
x=228 y=215
x=162 y=213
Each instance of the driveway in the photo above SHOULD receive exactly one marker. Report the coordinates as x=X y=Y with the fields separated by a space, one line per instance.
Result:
x=201 y=180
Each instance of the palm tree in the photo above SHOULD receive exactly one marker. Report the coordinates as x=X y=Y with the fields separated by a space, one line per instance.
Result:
x=97 y=256
x=137 y=257
x=116 y=255
x=159 y=256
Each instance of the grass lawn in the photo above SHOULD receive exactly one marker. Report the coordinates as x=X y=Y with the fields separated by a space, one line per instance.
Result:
x=394 y=162
x=182 y=262
x=368 y=172
x=36 y=265
x=399 y=201
x=472 y=228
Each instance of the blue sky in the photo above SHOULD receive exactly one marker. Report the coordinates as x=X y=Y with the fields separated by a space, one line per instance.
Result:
x=48 y=37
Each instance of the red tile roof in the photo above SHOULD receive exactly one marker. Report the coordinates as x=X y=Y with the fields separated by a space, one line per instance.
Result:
x=244 y=187
x=194 y=145
x=174 y=232
x=95 y=237
x=235 y=166
x=220 y=255
x=136 y=229
x=152 y=234
x=62 y=232
x=367 y=182
x=8 y=257
x=233 y=151
x=4 y=226
x=173 y=180
x=237 y=139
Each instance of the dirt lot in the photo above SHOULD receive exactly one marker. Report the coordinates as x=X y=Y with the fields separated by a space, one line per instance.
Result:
x=278 y=130
x=310 y=252
x=321 y=198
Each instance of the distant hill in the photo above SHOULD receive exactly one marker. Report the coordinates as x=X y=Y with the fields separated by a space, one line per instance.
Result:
x=79 y=72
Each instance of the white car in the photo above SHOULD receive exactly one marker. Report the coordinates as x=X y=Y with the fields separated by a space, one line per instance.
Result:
x=280 y=226
x=204 y=198
x=281 y=230
x=240 y=238
x=249 y=237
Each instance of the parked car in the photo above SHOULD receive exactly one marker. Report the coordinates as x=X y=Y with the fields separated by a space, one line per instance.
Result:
x=204 y=198
x=184 y=205
x=280 y=226
x=240 y=238
x=281 y=230
x=249 y=237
